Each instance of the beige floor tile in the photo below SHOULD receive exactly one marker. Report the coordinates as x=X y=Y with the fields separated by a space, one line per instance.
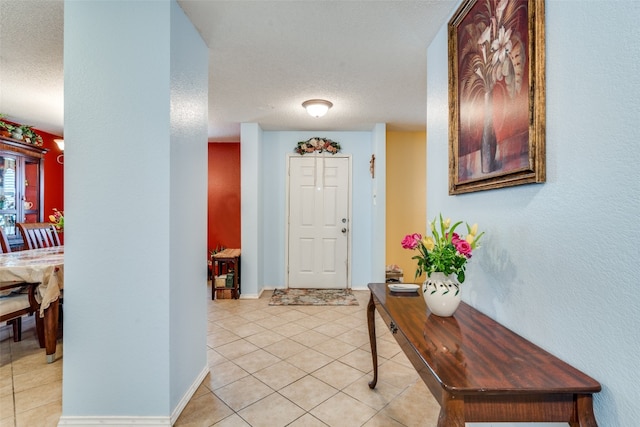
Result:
x=236 y=349
x=331 y=315
x=218 y=336
x=308 y=392
x=312 y=310
x=8 y=421
x=214 y=358
x=289 y=329
x=205 y=410
x=5 y=347
x=291 y=314
x=337 y=374
x=359 y=359
x=256 y=361
x=37 y=396
x=415 y=407
x=223 y=374
x=279 y=375
x=309 y=360
x=232 y=420
x=265 y=338
x=6 y=380
x=376 y=398
x=380 y=420
x=386 y=349
x=342 y=410
x=262 y=413
x=245 y=329
x=307 y=420
x=46 y=415
x=402 y=359
x=272 y=322
x=354 y=337
x=258 y=316
x=397 y=374
x=43 y=374
x=243 y=392
x=6 y=406
x=310 y=338
x=335 y=348
x=285 y=348
x=25 y=362
x=310 y=322
x=332 y=329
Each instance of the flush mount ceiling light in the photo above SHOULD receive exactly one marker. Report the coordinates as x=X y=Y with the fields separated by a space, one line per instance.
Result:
x=317 y=107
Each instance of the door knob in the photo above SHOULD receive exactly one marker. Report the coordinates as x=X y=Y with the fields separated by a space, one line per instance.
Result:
x=344 y=230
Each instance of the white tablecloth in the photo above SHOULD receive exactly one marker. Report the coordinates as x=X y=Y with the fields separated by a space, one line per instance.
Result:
x=44 y=266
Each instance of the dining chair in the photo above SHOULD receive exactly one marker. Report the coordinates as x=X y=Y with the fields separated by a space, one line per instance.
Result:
x=38 y=235
x=14 y=301
x=4 y=243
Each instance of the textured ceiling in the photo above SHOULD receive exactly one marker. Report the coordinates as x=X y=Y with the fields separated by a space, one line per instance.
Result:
x=266 y=57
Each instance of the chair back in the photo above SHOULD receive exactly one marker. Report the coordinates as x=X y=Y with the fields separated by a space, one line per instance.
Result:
x=38 y=235
x=4 y=243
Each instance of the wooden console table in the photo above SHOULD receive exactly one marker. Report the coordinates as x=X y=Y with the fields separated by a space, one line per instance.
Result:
x=477 y=369
x=228 y=259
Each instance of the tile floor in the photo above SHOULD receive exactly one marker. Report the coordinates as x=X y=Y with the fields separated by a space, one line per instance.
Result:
x=269 y=366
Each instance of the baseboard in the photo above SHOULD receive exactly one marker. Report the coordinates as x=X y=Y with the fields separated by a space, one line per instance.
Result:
x=115 y=421
x=189 y=394
x=137 y=421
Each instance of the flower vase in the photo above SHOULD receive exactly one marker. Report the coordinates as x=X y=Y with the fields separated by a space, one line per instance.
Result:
x=489 y=142
x=442 y=294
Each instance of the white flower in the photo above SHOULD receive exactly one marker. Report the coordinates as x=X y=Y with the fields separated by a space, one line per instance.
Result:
x=501 y=46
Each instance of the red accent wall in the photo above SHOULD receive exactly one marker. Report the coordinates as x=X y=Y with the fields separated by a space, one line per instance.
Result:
x=53 y=175
x=224 y=195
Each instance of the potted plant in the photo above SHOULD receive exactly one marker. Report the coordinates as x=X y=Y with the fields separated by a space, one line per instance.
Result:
x=6 y=129
x=16 y=133
x=443 y=256
x=30 y=136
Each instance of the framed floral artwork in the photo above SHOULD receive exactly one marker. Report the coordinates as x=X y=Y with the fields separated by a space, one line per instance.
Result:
x=496 y=95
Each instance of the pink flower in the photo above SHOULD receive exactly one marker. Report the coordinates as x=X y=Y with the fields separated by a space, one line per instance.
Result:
x=411 y=241
x=463 y=247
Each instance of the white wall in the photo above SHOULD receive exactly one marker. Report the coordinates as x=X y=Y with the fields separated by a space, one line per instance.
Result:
x=266 y=175
x=135 y=202
x=559 y=263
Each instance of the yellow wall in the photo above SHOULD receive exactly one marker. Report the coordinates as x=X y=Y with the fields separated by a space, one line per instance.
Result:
x=406 y=196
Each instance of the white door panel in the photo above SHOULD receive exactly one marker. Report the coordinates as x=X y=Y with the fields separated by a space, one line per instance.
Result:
x=318 y=222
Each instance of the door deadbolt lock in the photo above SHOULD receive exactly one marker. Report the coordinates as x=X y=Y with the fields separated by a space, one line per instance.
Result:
x=344 y=220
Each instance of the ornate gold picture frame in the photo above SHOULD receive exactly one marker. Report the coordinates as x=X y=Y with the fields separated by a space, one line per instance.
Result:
x=496 y=95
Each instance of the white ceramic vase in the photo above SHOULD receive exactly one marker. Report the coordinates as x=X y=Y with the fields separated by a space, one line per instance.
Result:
x=442 y=294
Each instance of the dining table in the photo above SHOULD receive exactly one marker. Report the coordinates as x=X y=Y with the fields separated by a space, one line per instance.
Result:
x=46 y=267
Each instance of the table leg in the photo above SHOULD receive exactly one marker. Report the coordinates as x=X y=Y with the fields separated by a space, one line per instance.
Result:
x=235 y=279
x=451 y=411
x=51 y=330
x=371 y=322
x=583 y=412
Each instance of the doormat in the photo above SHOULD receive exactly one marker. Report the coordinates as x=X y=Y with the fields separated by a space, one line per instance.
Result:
x=293 y=296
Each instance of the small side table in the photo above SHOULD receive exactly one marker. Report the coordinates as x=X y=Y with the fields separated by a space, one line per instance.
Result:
x=228 y=259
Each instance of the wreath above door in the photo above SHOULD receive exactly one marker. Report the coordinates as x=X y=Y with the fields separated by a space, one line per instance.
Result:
x=317 y=144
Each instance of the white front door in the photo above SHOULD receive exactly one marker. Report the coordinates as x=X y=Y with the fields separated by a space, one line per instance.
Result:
x=318 y=231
